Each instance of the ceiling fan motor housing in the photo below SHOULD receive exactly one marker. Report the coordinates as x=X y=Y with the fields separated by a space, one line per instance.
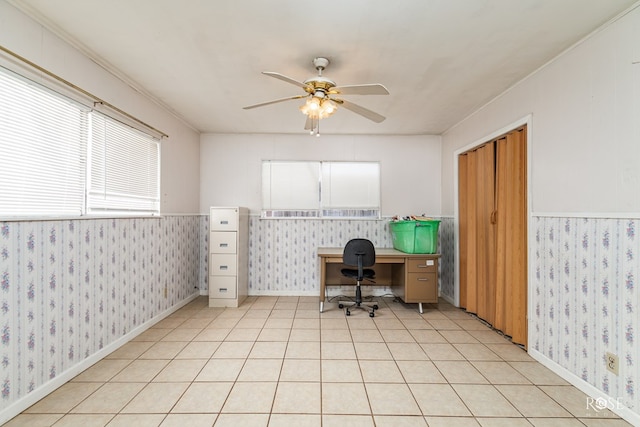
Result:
x=319 y=84
x=320 y=63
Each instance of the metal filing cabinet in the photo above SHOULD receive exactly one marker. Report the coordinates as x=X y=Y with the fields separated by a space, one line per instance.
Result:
x=228 y=256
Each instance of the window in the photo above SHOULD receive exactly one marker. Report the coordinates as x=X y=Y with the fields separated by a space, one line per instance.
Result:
x=59 y=158
x=320 y=189
x=42 y=151
x=350 y=189
x=123 y=169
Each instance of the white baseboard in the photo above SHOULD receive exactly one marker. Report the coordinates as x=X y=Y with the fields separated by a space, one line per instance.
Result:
x=612 y=404
x=283 y=293
x=25 y=402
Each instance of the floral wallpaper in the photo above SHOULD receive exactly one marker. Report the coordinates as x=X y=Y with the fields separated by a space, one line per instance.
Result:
x=447 y=265
x=283 y=253
x=70 y=288
x=586 y=301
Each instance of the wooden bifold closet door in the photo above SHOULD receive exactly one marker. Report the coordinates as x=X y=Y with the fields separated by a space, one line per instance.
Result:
x=493 y=233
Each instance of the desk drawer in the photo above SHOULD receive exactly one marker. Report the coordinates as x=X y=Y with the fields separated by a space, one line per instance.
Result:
x=421 y=265
x=421 y=287
x=388 y=260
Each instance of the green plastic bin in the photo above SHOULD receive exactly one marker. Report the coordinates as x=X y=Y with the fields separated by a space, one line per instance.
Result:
x=415 y=236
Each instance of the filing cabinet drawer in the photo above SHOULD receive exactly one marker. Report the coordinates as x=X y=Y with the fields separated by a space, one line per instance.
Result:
x=422 y=265
x=223 y=265
x=222 y=242
x=222 y=287
x=223 y=219
x=422 y=287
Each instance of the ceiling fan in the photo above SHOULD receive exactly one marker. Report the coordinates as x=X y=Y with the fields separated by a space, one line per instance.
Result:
x=321 y=92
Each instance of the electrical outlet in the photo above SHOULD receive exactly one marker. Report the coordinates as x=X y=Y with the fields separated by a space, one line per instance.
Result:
x=612 y=362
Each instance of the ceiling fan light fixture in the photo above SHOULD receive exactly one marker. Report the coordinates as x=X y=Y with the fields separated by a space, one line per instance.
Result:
x=314 y=104
x=319 y=92
x=327 y=108
x=308 y=107
x=317 y=109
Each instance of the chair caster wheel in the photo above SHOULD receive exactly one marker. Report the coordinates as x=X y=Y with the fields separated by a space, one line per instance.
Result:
x=371 y=314
x=341 y=306
x=348 y=313
x=375 y=307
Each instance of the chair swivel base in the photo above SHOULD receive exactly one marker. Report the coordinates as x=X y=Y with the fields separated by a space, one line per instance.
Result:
x=358 y=304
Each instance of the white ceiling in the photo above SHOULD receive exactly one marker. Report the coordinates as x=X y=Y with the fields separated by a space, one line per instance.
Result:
x=439 y=59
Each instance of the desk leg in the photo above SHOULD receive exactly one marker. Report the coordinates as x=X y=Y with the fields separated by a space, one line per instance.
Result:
x=323 y=272
x=419 y=308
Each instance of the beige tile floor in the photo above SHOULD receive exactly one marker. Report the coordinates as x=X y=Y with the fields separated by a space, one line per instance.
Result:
x=277 y=361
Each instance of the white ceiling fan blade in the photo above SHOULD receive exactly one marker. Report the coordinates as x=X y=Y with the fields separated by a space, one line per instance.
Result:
x=368 y=89
x=364 y=112
x=288 y=80
x=275 y=101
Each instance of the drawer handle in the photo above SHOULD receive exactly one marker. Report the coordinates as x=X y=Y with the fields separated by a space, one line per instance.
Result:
x=224 y=245
x=423 y=279
x=224 y=222
x=422 y=266
x=224 y=267
x=222 y=290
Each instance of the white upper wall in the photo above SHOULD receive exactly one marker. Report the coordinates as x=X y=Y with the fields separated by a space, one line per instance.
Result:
x=585 y=129
x=230 y=166
x=180 y=151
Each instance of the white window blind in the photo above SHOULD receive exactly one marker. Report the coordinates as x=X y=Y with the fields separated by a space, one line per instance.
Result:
x=320 y=189
x=123 y=173
x=350 y=188
x=42 y=151
x=290 y=188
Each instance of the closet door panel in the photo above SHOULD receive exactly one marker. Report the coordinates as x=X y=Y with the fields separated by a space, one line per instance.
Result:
x=463 y=233
x=502 y=218
x=515 y=199
x=470 y=220
x=485 y=243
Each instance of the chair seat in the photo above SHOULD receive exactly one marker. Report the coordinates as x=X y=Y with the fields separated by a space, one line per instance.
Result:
x=367 y=273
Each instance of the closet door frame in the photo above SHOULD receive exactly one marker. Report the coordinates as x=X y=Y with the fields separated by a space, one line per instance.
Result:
x=525 y=121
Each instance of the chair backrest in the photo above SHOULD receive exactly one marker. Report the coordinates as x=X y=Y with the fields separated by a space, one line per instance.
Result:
x=361 y=249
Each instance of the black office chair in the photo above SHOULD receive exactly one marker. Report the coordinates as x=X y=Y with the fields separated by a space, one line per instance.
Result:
x=359 y=253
